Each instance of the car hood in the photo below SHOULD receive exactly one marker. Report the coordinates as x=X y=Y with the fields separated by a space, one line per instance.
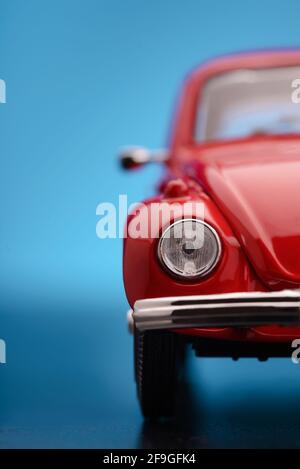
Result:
x=256 y=184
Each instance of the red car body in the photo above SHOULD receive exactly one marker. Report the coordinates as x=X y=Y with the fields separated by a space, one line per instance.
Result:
x=250 y=188
x=248 y=303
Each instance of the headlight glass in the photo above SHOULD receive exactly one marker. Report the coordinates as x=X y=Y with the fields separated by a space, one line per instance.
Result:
x=189 y=248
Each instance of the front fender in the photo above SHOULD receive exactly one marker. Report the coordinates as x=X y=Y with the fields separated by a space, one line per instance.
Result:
x=144 y=276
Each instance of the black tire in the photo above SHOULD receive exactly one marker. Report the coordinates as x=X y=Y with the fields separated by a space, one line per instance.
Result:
x=159 y=358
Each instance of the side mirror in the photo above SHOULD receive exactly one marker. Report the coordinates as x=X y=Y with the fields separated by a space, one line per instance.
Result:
x=134 y=157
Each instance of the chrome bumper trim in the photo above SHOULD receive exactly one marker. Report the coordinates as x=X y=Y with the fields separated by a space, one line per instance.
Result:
x=222 y=310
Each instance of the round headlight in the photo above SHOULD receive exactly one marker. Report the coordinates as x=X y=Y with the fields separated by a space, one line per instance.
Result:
x=189 y=248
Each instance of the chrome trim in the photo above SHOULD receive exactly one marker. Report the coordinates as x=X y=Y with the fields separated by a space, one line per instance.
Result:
x=202 y=274
x=130 y=321
x=222 y=310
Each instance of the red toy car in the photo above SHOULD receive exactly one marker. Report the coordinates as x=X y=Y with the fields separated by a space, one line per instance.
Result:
x=229 y=284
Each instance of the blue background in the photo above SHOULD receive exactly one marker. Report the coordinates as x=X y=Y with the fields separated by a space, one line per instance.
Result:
x=83 y=78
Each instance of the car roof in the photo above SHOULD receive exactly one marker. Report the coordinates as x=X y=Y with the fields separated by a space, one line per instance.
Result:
x=250 y=59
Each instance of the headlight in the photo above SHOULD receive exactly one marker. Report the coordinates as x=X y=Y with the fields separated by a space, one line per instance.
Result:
x=189 y=248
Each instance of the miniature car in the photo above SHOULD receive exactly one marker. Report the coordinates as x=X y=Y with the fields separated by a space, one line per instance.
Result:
x=229 y=284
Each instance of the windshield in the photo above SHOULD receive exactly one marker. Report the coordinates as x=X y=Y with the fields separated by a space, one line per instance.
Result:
x=249 y=102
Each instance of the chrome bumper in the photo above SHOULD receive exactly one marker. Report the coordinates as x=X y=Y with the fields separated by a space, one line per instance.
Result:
x=222 y=310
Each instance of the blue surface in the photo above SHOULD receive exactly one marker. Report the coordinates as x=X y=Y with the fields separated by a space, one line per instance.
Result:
x=83 y=78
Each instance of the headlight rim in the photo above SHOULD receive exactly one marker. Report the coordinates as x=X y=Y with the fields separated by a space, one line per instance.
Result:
x=178 y=275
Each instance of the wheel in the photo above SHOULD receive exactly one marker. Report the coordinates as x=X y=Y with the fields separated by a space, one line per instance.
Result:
x=158 y=361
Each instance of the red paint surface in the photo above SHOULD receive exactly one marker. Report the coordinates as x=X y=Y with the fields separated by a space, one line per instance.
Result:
x=250 y=189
